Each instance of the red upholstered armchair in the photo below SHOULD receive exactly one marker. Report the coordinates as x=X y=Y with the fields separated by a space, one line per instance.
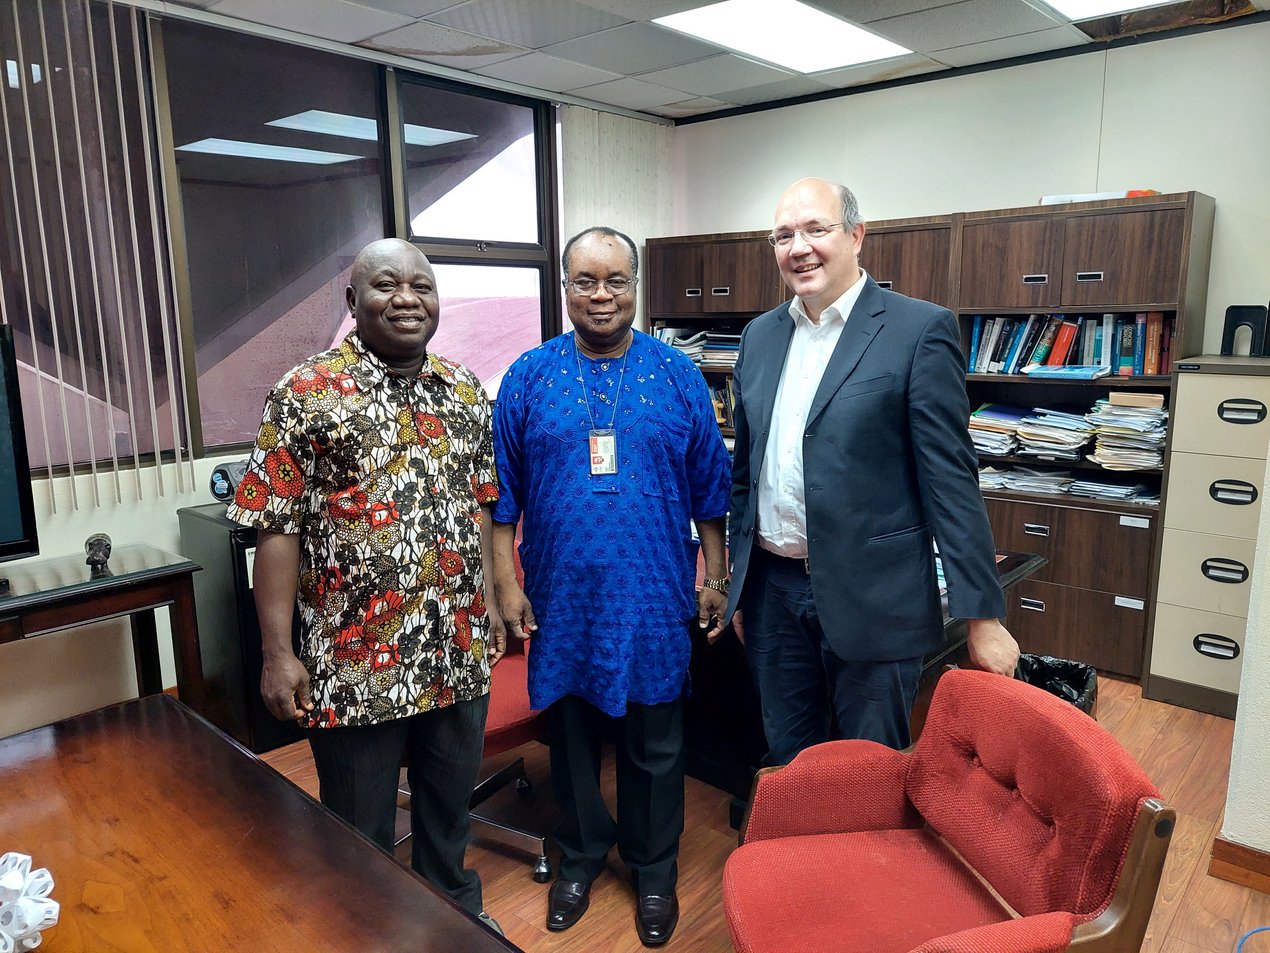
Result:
x=1016 y=824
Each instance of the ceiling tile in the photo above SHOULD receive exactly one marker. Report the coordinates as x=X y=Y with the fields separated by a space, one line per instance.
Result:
x=631 y=93
x=960 y=24
x=880 y=72
x=690 y=107
x=547 y=72
x=709 y=76
x=1041 y=41
x=332 y=19
x=410 y=8
x=438 y=44
x=633 y=48
x=514 y=21
x=782 y=89
x=862 y=11
x=645 y=9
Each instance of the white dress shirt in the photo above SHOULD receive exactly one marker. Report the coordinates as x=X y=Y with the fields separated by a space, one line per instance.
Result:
x=782 y=503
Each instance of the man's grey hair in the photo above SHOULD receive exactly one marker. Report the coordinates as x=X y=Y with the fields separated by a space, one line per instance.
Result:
x=850 y=207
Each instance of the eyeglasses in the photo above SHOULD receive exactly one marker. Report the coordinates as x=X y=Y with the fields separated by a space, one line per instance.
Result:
x=589 y=286
x=810 y=234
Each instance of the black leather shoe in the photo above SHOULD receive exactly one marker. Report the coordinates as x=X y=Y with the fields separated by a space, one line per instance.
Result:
x=655 y=918
x=566 y=902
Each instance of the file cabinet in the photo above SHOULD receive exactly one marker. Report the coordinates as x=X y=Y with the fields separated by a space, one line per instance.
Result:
x=1219 y=434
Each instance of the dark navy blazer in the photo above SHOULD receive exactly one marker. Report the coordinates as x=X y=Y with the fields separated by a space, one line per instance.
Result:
x=887 y=465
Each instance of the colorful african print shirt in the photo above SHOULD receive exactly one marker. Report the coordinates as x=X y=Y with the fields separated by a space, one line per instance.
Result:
x=383 y=477
x=610 y=560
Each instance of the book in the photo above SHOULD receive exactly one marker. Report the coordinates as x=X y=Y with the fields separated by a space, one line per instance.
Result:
x=1036 y=324
x=975 y=331
x=1046 y=341
x=1012 y=361
x=1166 y=338
x=991 y=331
x=1124 y=351
x=1062 y=343
x=1108 y=339
x=1139 y=342
x=1088 y=330
x=1134 y=398
x=1069 y=372
x=1155 y=327
x=1002 y=345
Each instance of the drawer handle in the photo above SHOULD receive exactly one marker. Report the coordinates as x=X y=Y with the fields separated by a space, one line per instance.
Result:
x=1089 y=276
x=1241 y=410
x=692 y=292
x=884 y=284
x=1036 y=279
x=1224 y=570
x=1032 y=605
x=1036 y=529
x=1233 y=492
x=1216 y=646
x=720 y=292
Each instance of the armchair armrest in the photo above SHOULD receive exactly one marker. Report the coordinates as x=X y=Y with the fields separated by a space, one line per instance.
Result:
x=835 y=787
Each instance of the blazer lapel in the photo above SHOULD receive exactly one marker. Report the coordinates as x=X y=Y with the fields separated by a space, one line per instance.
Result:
x=862 y=324
x=775 y=347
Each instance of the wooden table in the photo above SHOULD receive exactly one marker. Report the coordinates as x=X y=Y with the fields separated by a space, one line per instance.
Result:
x=165 y=836
x=47 y=595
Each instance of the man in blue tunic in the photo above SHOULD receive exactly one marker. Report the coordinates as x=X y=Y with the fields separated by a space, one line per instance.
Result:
x=607 y=447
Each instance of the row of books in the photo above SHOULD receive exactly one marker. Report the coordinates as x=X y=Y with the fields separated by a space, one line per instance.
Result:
x=1127 y=345
x=721 y=397
x=711 y=350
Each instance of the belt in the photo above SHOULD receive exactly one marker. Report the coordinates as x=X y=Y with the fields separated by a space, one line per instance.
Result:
x=795 y=564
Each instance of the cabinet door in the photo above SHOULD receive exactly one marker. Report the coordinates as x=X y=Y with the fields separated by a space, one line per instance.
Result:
x=1011 y=264
x=741 y=276
x=913 y=262
x=1079 y=624
x=1125 y=259
x=1110 y=552
x=674 y=278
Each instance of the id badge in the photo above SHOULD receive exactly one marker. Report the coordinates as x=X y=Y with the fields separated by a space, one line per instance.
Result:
x=603 y=446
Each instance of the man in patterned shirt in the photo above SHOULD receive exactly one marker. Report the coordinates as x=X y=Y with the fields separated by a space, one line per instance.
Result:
x=370 y=485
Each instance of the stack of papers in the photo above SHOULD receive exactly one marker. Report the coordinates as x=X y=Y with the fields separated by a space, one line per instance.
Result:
x=992 y=428
x=719 y=351
x=1098 y=490
x=1035 y=481
x=1054 y=434
x=684 y=340
x=990 y=478
x=1128 y=438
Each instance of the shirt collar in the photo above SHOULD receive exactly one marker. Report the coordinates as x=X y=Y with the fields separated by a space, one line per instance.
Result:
x=839 y=310
x=370 y=369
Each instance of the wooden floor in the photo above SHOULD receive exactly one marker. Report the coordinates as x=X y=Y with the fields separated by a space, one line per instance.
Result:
x=1185 y=752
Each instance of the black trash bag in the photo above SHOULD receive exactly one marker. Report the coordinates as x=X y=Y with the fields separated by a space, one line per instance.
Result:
x=1071 y=681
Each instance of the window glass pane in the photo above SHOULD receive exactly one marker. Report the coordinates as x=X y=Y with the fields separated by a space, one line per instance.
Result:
x=278 y=160
x=489 y=317
x=470 y=170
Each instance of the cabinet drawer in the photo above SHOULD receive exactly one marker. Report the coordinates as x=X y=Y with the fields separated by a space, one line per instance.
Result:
x=1198 y=648
x=1098 y=628
x=1222 y=414
x=1086 y=549
x=1210 y=494
x=1213 y=573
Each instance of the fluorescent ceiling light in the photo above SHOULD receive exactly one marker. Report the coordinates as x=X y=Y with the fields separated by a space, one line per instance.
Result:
x=1088 y=9
x=259 y=150
x=784 y=32
x=358 y=127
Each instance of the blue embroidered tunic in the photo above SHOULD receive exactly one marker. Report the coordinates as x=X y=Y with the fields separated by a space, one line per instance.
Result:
x=610 y=560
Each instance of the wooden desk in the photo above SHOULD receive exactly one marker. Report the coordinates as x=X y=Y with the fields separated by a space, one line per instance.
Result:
x=47 y=595
x=165 y=836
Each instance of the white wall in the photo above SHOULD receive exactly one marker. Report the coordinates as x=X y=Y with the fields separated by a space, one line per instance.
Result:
x=1183 y=114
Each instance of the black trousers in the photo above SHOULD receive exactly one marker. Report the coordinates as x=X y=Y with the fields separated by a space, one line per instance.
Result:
x=650 y=791
x=358 y=768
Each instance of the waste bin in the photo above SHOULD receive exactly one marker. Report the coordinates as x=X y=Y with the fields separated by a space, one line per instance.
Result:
x=1075 y=682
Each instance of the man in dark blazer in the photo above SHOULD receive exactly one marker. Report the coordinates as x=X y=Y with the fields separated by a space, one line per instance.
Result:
x=852 y=455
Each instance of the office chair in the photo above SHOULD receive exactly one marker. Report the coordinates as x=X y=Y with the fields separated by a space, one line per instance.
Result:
x=1016 y=824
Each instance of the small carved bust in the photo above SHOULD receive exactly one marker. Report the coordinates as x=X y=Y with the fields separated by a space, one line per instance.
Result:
x=97 y=547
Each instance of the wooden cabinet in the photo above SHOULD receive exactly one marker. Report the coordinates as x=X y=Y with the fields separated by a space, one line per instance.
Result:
x=712 y=275
x=1124 y=260
x=1011 y=264
x=913 y=259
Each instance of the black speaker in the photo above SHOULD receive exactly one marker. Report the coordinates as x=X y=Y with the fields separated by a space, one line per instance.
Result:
x=1250 y=316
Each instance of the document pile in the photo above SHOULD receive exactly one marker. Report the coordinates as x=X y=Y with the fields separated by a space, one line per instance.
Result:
x=993 y=427
x=683 y=339
x=1054 y=434
x=990 y=478
x=719 y=351
x=1128 y=438
x=25 y=907
x=1037 y=481
x=1095 y=489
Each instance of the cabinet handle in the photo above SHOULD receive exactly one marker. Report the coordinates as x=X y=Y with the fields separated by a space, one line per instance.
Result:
x=1032 y=605
x=1224 y=570
x=1036 y=279
x=1089 y=276
x=1036 y=529
x=692 y=292
x=1216 y=646
x=720 y=292
x=884 y=284
x=1233 y=492
x=1241 y=410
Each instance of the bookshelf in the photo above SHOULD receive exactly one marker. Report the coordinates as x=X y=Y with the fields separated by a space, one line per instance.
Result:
x=1093 y=600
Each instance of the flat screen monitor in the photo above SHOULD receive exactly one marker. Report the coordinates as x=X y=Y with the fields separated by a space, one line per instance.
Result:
x=17 y=508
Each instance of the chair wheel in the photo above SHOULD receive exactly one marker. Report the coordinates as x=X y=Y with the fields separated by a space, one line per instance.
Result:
x=542 y=871
x=524 y=786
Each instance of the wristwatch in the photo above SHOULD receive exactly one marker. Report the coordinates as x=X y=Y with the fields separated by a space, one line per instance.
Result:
x=722 y=585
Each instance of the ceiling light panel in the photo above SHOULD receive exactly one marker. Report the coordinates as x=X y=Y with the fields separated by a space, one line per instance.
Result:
x=259 y=150
x=359 y=127
x=785 y=32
